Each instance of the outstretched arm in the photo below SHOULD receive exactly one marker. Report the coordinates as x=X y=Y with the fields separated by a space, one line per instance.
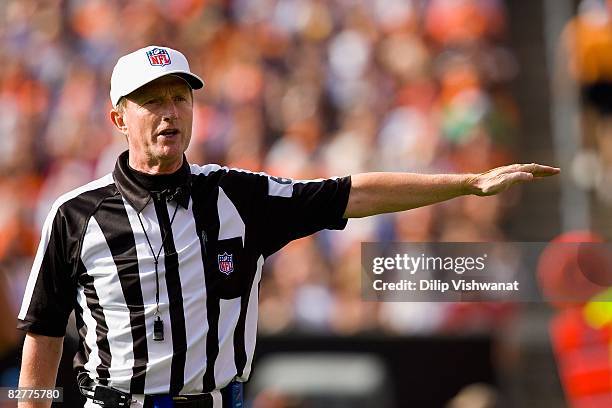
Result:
x=377 y=193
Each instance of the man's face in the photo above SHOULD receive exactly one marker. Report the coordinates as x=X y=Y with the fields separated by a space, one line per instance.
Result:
x=158 y=119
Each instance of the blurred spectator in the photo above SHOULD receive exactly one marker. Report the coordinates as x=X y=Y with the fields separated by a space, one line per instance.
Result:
x=587 y=42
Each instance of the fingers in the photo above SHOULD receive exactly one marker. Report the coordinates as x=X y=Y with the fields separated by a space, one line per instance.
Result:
x=497 y=180
x=538 y=170
x=501 y=182
x=520 y=176
x=511 y=178
x=508 y=179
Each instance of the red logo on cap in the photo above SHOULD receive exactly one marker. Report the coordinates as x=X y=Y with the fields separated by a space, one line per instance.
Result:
x=158 y=57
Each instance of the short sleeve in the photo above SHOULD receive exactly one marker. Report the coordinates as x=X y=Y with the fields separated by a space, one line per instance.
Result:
x=291 y=209
x=50 y=292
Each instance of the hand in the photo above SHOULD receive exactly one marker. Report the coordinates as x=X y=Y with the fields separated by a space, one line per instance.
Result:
x=499 y=179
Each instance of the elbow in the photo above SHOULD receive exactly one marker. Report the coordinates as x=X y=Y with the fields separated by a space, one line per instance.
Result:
x=356 y=206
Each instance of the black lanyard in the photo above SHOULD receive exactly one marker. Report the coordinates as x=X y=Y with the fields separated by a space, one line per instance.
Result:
x=158 y=324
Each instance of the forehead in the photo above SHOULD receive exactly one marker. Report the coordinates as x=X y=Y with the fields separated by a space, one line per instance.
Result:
x=166 y=84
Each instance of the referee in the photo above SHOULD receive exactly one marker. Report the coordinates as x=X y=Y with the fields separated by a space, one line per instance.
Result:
x=161 y=259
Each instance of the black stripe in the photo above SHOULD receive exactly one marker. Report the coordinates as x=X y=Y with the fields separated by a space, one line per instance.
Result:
x=82 y=354
x=93 y=303
x=205 y=214
x=78 y=211
x=115 y=225
x=240 y=356
x=212 y=343
x=54 y=293
x=175 y=298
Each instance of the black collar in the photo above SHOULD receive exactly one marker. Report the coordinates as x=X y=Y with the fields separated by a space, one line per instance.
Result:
x=137 y=188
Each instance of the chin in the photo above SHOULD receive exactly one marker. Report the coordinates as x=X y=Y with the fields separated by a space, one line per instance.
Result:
x=170 y=153
x=173 y=150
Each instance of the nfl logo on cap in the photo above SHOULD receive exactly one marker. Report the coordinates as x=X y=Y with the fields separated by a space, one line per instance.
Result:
x=158 y=57
x=226 y=263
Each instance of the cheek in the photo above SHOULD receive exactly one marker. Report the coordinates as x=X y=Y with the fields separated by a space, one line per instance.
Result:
x=187 y=114
x=140 y=127
x=189 y=124
x=147 y=122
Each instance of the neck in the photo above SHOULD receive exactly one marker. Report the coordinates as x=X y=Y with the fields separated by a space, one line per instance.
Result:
x=154 y=166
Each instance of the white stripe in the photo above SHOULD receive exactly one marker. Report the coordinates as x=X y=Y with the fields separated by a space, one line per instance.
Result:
x=98 y=261
x=137 y=401
x=205 y=170
x=193 y=287
x=160 y=352
x=40 y=253
x=250 y=327
x=217 y=399
x=93 y=360
x=277 y=189
x=46 y=234
x=317 y=180
x=90 y=404
x=225 y=365
x=210 y=168
x=230 y=222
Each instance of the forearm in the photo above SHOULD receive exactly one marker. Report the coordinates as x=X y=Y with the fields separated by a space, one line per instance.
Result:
x=41 y=357
x=377 y=193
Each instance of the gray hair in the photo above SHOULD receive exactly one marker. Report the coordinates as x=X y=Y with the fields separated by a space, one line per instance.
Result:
x=121 y=104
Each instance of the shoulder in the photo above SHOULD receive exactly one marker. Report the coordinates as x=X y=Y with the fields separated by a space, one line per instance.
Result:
x=210 y=169
x=224 y=173
x=207 y=169
x=76 y=205
x=238 y=184
x=87 y=195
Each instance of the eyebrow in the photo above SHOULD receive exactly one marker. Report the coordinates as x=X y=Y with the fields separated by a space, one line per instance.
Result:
x=145 y=94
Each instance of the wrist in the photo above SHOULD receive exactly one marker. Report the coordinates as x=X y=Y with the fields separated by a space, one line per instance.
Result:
x=467 y=184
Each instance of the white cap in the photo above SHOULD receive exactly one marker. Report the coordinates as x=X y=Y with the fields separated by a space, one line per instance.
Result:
x=147 y=64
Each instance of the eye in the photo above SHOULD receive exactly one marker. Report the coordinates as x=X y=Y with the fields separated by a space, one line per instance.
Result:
x=150 y=101
x=180 y=98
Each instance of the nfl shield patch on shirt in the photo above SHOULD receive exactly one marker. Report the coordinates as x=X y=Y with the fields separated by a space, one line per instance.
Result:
x=226 y=263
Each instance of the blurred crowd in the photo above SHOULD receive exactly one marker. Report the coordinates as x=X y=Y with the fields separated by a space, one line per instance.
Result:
x=296 y=88
x=586 y=47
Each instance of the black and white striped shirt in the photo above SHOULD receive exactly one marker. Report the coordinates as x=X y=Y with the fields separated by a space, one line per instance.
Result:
x=94 y=258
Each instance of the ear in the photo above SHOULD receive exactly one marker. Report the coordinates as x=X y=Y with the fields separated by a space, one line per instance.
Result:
x=118 y=120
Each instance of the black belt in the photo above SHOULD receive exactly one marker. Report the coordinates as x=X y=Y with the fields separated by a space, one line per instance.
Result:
x=191 y=401
x=111 y=397
x=231 y=396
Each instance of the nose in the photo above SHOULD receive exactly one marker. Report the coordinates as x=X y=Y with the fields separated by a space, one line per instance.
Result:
x=169 y=110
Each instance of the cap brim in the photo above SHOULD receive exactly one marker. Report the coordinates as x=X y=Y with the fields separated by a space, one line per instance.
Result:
x=194 y=81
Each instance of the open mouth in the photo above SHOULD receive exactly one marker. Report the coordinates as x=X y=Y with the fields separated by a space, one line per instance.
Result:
x=168 y=132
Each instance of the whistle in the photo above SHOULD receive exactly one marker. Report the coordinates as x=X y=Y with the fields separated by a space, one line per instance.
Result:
x=158 y=329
